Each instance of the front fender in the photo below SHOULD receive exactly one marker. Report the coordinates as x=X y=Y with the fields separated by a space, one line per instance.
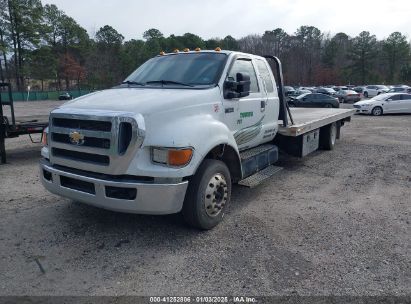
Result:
x=202 y=132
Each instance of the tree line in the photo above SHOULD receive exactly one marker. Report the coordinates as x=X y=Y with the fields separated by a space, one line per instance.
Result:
x=43 y=44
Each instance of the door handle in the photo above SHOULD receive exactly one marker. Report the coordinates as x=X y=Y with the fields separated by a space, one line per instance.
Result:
x=262 y=105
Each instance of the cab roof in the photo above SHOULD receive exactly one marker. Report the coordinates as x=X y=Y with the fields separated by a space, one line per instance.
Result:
x=227 y=52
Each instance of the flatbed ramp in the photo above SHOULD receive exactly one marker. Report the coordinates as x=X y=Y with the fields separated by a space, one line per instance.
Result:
x=309 y=119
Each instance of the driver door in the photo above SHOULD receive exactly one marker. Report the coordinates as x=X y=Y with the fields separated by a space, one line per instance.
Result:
x=308 y=101
x=393 y=104
x=244 y=116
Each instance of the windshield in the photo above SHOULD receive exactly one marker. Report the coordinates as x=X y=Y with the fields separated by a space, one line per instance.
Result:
x=302 y=95
x=193 y=69
x=382 y=87
x=380 y=97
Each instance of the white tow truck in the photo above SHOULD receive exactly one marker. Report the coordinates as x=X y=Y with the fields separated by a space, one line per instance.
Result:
x=178 y=132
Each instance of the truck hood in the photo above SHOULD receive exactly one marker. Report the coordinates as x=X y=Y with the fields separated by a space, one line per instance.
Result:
x=142 y=100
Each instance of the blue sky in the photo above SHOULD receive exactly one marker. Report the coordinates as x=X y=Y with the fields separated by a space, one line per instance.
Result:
x=218 y=18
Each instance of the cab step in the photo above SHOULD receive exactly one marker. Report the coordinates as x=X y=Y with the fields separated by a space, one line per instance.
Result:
x=259 y=177
x=256 y=159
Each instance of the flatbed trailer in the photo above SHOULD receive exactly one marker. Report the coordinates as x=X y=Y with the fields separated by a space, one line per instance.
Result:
x=16 y=126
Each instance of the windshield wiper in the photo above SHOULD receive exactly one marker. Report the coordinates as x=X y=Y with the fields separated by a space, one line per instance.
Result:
x=163 y=82
x=133 y=83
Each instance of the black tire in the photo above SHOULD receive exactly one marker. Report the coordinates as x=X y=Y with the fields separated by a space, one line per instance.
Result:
x=328 y=136
x=194 y=208
x=366 y=94
x=377 y=111
x=328 y=105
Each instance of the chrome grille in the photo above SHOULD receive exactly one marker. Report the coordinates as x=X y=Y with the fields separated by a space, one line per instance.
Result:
x=93 y=125
x=99 y=141
x=96 y=142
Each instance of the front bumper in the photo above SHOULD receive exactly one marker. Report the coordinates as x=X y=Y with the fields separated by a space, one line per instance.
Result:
x=363 y=110
x=150 y=198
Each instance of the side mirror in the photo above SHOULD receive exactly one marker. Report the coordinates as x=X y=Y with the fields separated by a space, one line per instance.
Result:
x=239 y=88
x=389 y=99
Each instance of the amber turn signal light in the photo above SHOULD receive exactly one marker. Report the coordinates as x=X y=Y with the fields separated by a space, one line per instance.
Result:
x=179 y=157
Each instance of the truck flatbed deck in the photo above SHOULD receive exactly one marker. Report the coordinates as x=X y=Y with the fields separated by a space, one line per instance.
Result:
x=309 y=119
x=25 y=118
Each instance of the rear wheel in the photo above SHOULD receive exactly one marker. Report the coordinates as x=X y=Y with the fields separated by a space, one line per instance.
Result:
x=377 y=111
x=328 y=136
x=208 y=194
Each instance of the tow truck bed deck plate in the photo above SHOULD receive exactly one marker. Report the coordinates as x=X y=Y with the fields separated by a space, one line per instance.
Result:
x=308 y=119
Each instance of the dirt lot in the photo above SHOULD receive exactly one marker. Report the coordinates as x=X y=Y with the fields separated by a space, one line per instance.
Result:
x=333 y=223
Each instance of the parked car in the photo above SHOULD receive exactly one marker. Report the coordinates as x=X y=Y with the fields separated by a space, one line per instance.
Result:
x=288 y=90
x=338 y=88
x=348 y=96
x=358 y=89
x=327 y=91
x=314 y=100
x=311 y=89
x=65 y=96
x=403 y=89
x=384 y=104
x=374 y=90
x=297 y=93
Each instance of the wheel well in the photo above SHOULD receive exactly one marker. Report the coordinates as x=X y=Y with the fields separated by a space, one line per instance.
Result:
x=382 y=110
x=229 y=156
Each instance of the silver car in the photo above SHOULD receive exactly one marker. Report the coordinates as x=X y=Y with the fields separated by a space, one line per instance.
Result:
x=374 y=90
x=348 y=96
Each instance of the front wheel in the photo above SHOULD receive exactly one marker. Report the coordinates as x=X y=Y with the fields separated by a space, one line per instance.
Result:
x=208 y=194
x=377 y=111
x=291 y=105
x=328 y=105
x=366 y=94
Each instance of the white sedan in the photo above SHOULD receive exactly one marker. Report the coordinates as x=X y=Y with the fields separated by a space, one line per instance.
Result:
x=384 y=104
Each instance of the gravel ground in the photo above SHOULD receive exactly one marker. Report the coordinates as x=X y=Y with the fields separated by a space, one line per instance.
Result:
x=333 y=223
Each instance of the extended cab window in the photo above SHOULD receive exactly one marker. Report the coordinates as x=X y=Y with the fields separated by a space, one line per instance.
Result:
x=244 y=66
x=265 y=75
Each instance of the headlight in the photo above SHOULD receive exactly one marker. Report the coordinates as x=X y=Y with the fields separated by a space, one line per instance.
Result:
x=44 y=139
x=172 y=157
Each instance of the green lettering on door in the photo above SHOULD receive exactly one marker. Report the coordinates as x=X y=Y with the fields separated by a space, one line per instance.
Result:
x=246 y=114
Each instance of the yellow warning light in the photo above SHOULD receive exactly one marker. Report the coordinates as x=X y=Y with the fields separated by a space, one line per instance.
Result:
x=162 y=53
x=198 y=49
x=217 y=49
x=186 y=50
x=176 y=50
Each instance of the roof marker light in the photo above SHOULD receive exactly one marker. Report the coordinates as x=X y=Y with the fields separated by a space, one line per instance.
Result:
x=162 y=53
x=198 y=49
x=176 y=51
x=217 y=49
x=186 y=50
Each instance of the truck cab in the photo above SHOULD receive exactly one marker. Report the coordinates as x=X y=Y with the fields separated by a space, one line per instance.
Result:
x=174 y=136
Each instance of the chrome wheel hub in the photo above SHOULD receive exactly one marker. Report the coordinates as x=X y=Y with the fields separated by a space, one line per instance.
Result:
x=216 y=195
x=377 y=111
